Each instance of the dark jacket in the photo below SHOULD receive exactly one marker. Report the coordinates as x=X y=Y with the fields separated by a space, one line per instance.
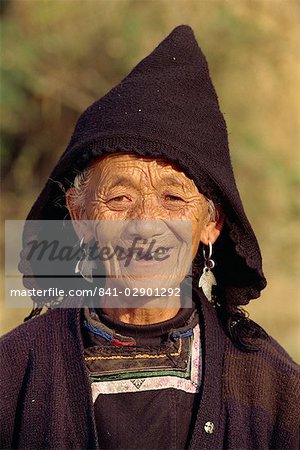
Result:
x=248 y=400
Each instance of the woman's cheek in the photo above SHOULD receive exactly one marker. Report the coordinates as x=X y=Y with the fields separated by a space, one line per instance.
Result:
x=102 y=212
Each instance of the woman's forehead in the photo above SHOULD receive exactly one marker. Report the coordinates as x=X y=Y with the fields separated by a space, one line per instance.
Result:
x=132 y=164
x=133 y=158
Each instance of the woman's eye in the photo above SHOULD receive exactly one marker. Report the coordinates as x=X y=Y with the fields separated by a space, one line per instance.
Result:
x=173 y=198
x=120 y=198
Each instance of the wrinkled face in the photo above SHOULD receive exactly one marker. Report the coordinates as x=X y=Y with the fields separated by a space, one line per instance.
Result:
x=150 y=199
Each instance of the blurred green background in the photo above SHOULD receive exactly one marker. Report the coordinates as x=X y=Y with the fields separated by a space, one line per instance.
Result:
x=57 y=57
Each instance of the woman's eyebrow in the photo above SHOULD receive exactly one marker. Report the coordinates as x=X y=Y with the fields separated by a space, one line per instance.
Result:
x=127 y=182
x=172 y=181
x=121 y=181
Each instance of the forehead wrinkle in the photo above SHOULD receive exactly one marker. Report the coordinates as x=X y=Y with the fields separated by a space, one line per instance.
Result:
x=156 y=171
x=135 y=173
x=172 y=181
x=179 y=180
x=161 y=172
x=121 y=181
x=105 y=169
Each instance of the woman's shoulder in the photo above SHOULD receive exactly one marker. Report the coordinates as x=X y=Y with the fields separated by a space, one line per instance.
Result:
x=271 y=353
x=268 y=378
x=34 y=330
x=274 y=351
x=262 y=387
x=269 y=358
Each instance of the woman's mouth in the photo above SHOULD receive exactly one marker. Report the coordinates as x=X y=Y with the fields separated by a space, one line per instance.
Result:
x=147 y=258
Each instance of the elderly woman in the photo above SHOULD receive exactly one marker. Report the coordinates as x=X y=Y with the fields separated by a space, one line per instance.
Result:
x=163 y=357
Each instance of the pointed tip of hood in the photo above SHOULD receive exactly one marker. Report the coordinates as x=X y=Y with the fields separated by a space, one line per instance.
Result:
x=183 y=30
x=167 y=107
x=181 y=36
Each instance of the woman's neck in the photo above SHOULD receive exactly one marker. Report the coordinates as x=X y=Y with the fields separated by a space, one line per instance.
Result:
x=141 y=316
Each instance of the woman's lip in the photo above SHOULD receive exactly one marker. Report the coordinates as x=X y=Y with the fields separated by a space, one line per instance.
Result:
x=145 y=262
x=155 y=254
x=152 y=261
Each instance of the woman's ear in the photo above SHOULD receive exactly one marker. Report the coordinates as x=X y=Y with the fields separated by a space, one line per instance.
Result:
x=71 y=205
x=212 y=230
x=79 y=218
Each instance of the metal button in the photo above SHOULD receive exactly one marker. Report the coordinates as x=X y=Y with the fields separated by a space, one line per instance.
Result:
x=209 y=427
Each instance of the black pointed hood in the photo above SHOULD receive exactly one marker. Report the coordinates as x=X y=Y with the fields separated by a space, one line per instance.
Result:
x=167 y=107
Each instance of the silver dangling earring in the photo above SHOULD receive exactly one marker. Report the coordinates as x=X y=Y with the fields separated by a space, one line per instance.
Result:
x=85 y=265
x=207 y=279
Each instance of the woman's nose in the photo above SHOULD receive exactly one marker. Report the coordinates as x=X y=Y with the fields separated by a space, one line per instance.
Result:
x=146 y=219
x=146 y=208
x=145 y=229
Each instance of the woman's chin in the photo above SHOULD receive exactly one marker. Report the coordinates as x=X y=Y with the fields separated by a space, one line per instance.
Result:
x=137 y=285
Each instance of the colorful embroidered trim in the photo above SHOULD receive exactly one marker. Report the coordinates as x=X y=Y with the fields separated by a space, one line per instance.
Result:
x=137 y=356
x=188 y=381
x=142 y=374
x=187 y=333
x=108 y=337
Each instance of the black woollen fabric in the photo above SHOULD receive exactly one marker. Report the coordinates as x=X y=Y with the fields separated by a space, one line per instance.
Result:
x=167 y=107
